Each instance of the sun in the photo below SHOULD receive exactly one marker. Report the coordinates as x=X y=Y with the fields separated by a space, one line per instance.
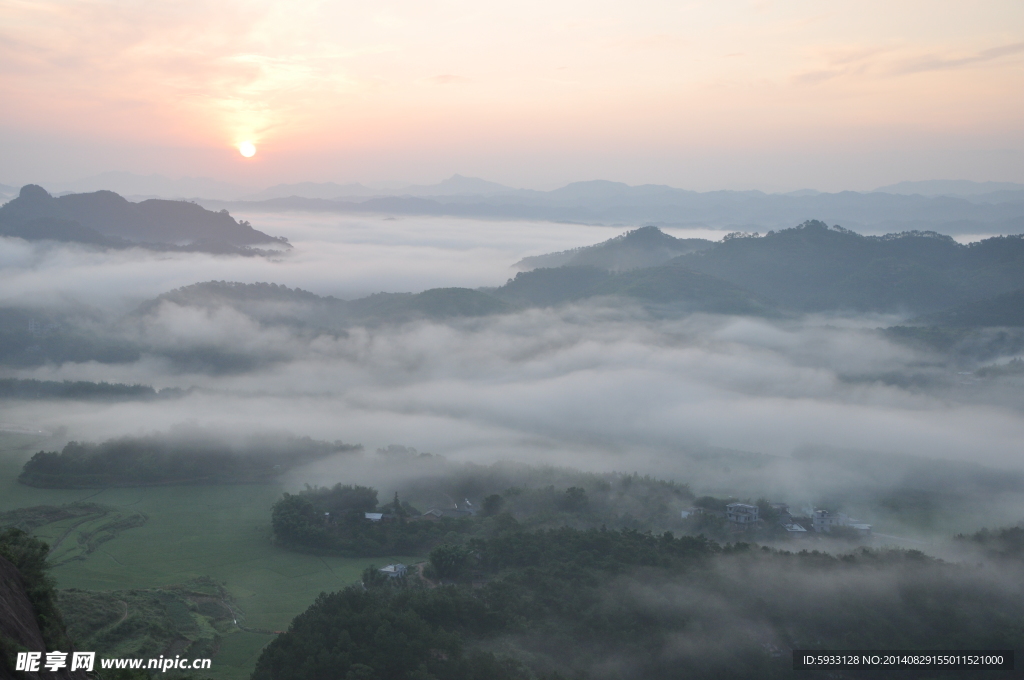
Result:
x=247 y=149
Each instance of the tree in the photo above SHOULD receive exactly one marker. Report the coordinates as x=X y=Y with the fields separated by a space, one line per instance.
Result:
x=449 y=561
x=492 y=505
x=575 y=500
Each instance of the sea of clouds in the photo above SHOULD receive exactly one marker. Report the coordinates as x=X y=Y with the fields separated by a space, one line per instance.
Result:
x=595 y=385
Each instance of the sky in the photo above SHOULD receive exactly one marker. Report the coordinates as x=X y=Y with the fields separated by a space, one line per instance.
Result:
x=703 y=95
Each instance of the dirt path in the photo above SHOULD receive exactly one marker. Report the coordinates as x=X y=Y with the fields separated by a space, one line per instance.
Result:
x=113 y=558
x=87 y=518
x=419 y=572
x=125 y=612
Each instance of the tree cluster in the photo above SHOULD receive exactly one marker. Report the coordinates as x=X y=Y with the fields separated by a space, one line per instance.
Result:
x=570 y=603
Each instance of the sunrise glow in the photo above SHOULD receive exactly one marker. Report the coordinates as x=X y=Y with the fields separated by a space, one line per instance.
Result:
x=760 y=93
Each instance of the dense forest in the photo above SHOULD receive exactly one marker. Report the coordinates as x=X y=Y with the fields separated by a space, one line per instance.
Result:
x=185 y=457
x=625 y=604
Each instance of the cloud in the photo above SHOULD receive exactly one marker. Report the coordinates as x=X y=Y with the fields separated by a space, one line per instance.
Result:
x=596 y=385
x=879 y=62
x=943 y=63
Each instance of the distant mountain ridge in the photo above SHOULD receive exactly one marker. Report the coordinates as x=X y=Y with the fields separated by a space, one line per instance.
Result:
x=615 y=203
x=950 y=187
x=946 y=206
x=107 y=219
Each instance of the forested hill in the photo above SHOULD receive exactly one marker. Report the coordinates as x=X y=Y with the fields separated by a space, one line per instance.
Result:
x=105 y=218
x=275 y=304
x=815 y=267
x=624 y=604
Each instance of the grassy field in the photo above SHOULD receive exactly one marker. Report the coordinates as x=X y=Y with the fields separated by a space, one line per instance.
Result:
x=222 y=532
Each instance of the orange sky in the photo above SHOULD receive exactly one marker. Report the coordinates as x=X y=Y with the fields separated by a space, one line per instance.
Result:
x=774 y=95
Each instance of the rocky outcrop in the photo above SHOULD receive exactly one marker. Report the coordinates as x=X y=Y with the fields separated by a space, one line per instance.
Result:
x=19 y=628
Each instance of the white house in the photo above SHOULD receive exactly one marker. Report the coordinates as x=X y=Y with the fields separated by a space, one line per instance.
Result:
x=394 y=570
x=823 y=520
x=741 y=513
x=374 y=516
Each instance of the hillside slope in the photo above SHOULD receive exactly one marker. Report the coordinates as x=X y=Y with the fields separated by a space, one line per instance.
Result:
x=643 y=247
x=669 y=287
x=29 y=619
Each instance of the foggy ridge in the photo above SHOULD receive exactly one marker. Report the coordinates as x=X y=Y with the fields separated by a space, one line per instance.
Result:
x=106 y=219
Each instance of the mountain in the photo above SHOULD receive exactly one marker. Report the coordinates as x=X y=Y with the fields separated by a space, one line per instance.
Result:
x=105 y=218
x=949 y=187
x=811 y=267
x=814 y=267
x=325 y=190
x=643 y=247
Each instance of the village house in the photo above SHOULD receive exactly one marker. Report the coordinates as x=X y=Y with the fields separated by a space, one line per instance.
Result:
x=825 y=520
x=394 y=570
x=434 y=514
x=741 y=514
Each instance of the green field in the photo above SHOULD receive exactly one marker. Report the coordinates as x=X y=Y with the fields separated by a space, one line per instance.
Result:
x=218 y=531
